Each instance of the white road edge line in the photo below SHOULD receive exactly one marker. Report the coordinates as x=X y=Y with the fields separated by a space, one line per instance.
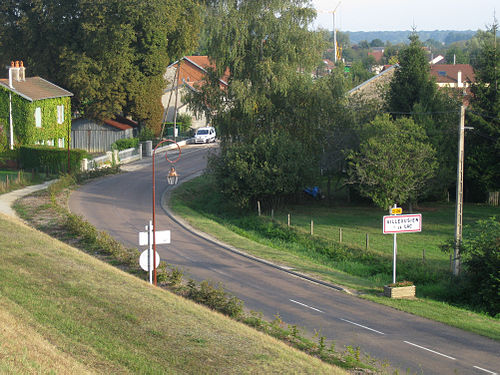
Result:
x=359 y=325
x=309 y=307
x=429 y=350
x=483 y=369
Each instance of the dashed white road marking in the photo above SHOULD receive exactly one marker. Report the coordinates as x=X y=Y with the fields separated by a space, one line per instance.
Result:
x=483 y=369
x=429 y=350
x=309 y=307
x=365 y=327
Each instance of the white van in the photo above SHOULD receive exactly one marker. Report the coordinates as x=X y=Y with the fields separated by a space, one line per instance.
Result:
x=205 y=135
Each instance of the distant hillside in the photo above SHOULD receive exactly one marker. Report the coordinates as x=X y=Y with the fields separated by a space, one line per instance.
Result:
x=443 y=36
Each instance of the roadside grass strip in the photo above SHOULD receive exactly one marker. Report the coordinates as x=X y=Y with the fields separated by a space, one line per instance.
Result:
x=64 y=311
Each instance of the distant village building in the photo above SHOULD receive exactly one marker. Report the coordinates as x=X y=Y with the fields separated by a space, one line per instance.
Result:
x=186 y=74
x=455 y=76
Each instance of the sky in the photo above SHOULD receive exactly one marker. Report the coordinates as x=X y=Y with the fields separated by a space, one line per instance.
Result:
x=395 y=15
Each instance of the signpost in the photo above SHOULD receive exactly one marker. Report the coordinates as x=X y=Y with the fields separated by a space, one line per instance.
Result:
x=402 y=223
x=148 y=257
x=397 y=223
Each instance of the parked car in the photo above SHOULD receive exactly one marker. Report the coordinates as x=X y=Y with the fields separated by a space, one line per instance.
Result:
x=205 y=135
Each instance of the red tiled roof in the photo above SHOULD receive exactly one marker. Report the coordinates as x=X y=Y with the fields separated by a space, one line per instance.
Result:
x=117 y=124
x=448 y=73
x=377 y=55
x=194 y=68
x=126 y=121
x=35 y=88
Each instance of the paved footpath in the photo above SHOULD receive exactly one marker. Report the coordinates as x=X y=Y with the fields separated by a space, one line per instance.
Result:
x=8 y=199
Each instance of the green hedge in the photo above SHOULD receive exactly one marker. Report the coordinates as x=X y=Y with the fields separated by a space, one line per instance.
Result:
x=50 y=159
x=123 y=144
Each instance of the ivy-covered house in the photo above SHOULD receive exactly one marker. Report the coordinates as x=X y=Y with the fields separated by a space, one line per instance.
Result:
x=33 y=110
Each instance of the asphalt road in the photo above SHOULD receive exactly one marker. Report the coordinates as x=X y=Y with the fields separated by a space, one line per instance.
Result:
x=122 y=206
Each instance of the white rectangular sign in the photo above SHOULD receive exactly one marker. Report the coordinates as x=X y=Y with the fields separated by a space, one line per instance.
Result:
x=162 y=237
x=402 y=223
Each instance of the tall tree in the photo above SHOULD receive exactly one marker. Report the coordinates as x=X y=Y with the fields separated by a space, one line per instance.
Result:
x=483 y=143
x=413 y=93
x=412 y=82
x=111 y=54
x=266 y=47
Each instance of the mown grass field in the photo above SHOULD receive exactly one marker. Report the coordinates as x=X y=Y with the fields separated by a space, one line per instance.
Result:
x=63 y=311
x=365 y=271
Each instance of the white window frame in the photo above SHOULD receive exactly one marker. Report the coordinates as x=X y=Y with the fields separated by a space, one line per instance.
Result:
x=60 y=142
x=38 y=117
x=60 y=114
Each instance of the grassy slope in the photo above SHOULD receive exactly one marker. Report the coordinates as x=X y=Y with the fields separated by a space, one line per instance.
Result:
x=64 y=311
x=353 y=220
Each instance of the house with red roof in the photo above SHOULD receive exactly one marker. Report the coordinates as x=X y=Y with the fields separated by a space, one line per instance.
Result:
x=455 y=76
x=186 y=74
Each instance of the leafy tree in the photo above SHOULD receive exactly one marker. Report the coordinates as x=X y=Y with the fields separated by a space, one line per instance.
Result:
x=111 y=54
x=359 y=73
x=269 y=169
x=479 y=283
x=481 y=260
x=413 y=92
x=266 y=47
x=456 y=54
x=394 y=161
x=483 y=143
x=376 y=43
x=364 y=44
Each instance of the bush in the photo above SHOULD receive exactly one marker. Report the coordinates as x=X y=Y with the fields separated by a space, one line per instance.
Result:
x=479 y=283
x=146 y=134
x=124 y=143
x=213 y=296
x=481 y=261
x=50 y=159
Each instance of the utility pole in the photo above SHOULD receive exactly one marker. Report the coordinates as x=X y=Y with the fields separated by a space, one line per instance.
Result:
x=460 y=197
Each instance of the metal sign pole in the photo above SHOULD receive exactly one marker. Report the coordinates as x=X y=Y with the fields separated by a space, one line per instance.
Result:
x=150 y=252
x=395 y=251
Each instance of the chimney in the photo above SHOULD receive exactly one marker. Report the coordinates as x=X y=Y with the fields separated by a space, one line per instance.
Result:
x=13 y=73
x=22 y=72
x=459 y=79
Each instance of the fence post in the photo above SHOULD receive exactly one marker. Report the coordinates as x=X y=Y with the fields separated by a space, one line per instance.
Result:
x=258 y=207
x=288 y=220
x=140 y=151
x=272 y=213
x=340 y=234
x=367 y=241
x=312 y=228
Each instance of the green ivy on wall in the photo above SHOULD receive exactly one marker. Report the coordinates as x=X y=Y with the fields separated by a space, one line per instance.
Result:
x=23 y=118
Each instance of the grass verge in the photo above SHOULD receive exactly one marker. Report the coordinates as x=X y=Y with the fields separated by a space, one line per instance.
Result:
x=348 y=264
x=64 y=311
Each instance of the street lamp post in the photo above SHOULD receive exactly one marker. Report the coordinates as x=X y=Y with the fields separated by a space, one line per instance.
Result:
x=171 y=181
